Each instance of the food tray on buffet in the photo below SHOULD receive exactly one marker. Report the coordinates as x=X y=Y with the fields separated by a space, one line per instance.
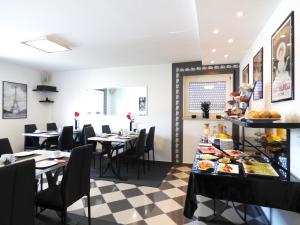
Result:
x=205 y=165
x=210 y=150
x=208 y=157
x=228 y=168
x=235 y=153
x=258 y=168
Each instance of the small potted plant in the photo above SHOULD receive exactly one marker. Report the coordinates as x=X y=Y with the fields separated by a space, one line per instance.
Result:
x=205 y=107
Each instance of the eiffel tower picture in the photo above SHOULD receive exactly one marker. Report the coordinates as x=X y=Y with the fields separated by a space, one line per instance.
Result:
x=14 y=104
x=15 y=107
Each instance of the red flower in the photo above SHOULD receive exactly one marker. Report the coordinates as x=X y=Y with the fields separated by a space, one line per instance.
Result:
x=76 y=114
x=129 y=116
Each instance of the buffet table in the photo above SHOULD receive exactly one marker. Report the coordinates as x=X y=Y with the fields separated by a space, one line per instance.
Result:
x=278 y=190
x=262 y=191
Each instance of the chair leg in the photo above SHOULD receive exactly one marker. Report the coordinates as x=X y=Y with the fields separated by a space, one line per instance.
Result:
x=138 y=177
x=148 y=162
x=144 y=166
x=116 y=157
x=41 y=182
x=64 y=217
x=153 y=156
x=100 y=165
x=89 y=209
x=119 y=167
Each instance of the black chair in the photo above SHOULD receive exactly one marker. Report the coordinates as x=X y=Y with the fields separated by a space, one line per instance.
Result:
x=74 y=185
x=51 y=142
x=137 y=152
x=65 y=141
x=31 y=143
x=79 y=140
x=17 y=192
x=51 y=127
x=106 y=129
x=150 y=144
x=89 y=132
x=82 y=135
x=5 y=147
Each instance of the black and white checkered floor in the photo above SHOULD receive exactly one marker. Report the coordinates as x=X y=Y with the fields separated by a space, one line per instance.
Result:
x=138 y=205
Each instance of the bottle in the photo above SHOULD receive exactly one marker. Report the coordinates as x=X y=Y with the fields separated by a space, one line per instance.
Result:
x=206 y=132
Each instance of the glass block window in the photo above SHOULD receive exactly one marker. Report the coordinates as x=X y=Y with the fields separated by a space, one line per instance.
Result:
x=214 y=92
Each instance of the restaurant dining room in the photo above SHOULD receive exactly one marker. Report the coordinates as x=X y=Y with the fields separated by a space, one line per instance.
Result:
x=149 y=112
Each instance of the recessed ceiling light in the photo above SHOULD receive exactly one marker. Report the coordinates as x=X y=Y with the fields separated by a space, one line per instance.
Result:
x=239 y=14
x=47 y=44
x=288 y=44
x=214 y=50
x=212 y=62
x=215 y=31
x=230 y=40
x=226 y=56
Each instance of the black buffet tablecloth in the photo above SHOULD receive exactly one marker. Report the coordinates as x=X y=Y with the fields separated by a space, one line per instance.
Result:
x=268 y=192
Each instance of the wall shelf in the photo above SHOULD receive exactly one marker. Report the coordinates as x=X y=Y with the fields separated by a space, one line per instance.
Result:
x=46 y=101
x=43 y=90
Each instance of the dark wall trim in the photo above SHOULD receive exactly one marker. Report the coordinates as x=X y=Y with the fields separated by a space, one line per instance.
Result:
x=179 y=70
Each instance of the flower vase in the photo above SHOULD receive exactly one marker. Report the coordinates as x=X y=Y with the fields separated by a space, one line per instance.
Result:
x=130 y=125
x=76 y=124
x=205 y=114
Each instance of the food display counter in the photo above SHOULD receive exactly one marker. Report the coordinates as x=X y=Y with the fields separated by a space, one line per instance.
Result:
x=237 y=176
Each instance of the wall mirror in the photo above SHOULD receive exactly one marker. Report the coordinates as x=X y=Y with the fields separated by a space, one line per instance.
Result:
x=118 y=101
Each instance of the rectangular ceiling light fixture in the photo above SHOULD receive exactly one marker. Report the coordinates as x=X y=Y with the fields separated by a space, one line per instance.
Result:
x=47 y=45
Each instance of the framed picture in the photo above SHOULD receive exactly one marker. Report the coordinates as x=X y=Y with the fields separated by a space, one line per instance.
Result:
x=282 y=83
x=142 y=104
x=14 y=100
x=245 y=78
x=258 y=75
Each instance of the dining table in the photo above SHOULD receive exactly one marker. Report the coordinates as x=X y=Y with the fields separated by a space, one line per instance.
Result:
x=47 y=162
x=106 y=140
x=50 y=134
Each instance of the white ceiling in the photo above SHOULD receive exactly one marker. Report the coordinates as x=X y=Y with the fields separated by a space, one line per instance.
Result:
x=221 y=15
x=108 y=33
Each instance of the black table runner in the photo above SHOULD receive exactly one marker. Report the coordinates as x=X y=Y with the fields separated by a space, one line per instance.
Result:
x=273 y=193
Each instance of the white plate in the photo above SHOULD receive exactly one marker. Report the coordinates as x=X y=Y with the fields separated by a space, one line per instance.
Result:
x=208 y=156
x=53 y=132
x=23 y=154
x=124 y=137
x=45 y=164
x=234 y=168
x=38 y=132
x=205 y=161
x=56 y=157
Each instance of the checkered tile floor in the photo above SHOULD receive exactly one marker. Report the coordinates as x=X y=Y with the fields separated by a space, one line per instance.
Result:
x=138 y=205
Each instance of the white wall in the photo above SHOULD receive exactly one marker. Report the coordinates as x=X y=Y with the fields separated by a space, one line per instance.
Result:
x=72 y=96
x=289 y=109
x=36 y=112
